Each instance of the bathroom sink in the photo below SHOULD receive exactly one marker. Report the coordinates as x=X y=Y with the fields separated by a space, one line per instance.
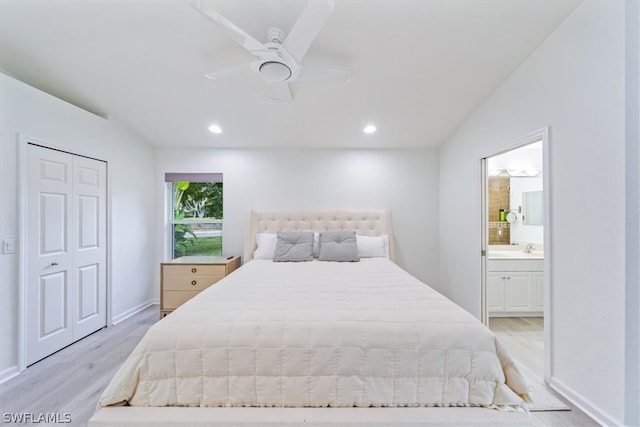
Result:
x=515 y=254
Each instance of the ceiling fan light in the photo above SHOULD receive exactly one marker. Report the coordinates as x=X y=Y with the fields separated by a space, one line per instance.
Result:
x=215 y=129
x=369 y=129
x=273 y=71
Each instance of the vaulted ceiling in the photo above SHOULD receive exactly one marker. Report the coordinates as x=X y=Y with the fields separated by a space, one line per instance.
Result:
x=419 y=68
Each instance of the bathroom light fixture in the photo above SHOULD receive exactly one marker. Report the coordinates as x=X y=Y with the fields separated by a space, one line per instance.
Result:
x=515 y=173
x=214 y=128
x=524 y=173
x=369 y=129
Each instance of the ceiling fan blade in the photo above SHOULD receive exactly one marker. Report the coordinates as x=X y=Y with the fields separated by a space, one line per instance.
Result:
x=231 y=29
x=280 y=91
x=235 y=71
x=313 y=73
x=307 y=27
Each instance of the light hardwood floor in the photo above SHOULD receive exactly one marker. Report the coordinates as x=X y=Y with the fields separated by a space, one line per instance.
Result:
x=524 y=339
x=71 y=380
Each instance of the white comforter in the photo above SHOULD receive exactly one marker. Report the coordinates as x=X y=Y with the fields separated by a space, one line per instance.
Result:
x=316 y=334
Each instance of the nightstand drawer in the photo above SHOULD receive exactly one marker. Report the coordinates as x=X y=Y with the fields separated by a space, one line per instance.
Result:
x=174 y=299
x=191 y=282
x=184 y=270
x=185 y=277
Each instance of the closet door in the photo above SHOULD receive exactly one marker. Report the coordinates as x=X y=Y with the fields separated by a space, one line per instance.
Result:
x=89 y=247
x=49 y=263
x=66 y=250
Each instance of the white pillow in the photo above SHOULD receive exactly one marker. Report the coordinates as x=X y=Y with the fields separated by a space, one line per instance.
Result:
x=373 y=246
x=266 y=245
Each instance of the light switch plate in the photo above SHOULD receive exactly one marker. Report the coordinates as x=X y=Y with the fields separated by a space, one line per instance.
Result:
x=9 y=246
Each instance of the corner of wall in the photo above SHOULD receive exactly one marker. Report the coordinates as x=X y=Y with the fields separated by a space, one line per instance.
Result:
x=632 y=234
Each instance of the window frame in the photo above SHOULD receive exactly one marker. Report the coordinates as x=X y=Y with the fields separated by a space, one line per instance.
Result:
x=171 y=221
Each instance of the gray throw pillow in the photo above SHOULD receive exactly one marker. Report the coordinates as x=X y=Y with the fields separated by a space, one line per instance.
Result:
x=338 y=245
x=294 y=246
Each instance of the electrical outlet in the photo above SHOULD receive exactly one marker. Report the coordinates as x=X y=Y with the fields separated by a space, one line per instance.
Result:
x=9 y=246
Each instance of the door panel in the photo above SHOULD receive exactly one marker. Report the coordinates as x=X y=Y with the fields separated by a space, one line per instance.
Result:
x=89 y=249
x=88 y=222
x=495 y=291
x=516 y=291
x=88 y=295
x=89 y=176
x=538 y=291
x=53 y=301
x=54 y=171
x=49 y=294
x=66 y=250
x=53 y=223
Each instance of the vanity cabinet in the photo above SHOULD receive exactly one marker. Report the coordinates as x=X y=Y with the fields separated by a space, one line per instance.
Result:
x=538 y=291
x=495 y=291
x=515 y=288
x=509 y=291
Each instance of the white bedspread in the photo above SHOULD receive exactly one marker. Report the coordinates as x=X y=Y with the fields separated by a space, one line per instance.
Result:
x=316 y=334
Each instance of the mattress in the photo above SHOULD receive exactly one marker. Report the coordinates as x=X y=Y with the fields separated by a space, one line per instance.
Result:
x=318 y=334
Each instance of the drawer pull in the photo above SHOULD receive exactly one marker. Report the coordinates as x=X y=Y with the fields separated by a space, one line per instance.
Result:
x=193 y=283
x=193 y=270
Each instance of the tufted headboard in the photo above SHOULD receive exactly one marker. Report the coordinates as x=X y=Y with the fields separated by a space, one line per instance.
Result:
x=366 y=223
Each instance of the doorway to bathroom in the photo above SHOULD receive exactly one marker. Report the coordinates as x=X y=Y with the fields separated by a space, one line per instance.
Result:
x=515 y=250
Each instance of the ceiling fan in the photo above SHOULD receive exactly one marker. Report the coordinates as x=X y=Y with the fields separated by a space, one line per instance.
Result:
x=279 y=60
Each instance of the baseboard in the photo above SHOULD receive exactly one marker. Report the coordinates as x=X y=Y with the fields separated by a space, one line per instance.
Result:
x=516 y=314
x=584 y=404
x=9 y=373
x=135 y=310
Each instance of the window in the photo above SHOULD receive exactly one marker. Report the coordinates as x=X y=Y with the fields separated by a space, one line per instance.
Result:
x=196 y=214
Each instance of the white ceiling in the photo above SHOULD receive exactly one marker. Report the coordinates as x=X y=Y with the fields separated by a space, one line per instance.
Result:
x=420 y=68
x=521 y=158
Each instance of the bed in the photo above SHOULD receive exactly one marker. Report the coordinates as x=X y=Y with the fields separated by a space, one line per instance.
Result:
x=317 y=342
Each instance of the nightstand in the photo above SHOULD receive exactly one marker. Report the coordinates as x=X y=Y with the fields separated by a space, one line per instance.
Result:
x=185 y=277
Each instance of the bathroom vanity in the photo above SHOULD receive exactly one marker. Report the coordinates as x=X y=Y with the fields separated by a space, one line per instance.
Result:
x=515 y=282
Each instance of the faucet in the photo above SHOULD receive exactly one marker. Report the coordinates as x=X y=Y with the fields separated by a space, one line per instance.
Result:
x=529 y=248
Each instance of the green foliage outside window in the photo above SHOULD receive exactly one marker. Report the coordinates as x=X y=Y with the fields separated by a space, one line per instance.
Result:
x=200 y=202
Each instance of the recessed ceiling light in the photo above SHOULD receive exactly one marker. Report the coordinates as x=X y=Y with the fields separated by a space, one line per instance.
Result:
x=215 y=129
x=369 y=129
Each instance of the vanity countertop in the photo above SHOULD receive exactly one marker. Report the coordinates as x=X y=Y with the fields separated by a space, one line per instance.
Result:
x=514 y=252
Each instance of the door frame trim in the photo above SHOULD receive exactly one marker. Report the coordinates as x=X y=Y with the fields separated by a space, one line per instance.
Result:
x=544 y=135
x=23 y=145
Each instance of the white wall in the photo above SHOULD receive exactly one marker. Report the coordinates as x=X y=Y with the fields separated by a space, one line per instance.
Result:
x=404 y=181
x=632 y=214
x=574 y=82
x=29 y=111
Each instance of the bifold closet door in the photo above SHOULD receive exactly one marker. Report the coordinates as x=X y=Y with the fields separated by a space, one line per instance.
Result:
x=66 y=250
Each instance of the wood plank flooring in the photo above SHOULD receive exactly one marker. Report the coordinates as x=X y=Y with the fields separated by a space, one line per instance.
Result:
x=524 y=339
x=71 y=380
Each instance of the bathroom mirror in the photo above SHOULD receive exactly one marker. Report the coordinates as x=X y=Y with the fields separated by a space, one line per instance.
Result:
x=532 y=208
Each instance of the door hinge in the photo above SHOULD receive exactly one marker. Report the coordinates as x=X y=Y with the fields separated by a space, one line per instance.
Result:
x=483 y=253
